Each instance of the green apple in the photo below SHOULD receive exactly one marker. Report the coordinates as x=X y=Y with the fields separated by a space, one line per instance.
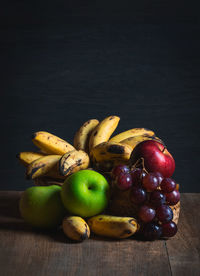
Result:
x=41 y=206
x=85 y=193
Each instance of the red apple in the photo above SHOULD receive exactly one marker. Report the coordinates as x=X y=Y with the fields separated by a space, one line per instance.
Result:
x=156 y=157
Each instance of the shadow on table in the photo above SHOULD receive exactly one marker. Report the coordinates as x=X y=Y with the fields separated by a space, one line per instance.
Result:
x=60 y=237
x=10 y=219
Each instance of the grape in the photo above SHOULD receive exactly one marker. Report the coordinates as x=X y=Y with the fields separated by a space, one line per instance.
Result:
x=124 y=181
x=119 y=169
x=168 y=185
x=157 y=198
x=150 y=182
x=136 y=174
x=143 y=174
x=164 y=213
x=173 y=197
x=152 y=231
x=137 y=195
x=146 y=213
x=159 y=176
x=169 y=229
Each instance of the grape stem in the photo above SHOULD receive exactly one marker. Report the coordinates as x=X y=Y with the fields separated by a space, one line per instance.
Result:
x=138 y=163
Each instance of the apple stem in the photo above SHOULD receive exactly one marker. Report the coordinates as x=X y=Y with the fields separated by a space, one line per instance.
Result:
x=164 y=149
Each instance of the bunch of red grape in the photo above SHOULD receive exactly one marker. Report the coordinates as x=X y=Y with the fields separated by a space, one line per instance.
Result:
x=153 y=194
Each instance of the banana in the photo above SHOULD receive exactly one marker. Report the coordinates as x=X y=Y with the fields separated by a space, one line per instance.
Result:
x=76 y=228
x=41 y=166
x=73 y=161
x=27 y=157
x=55 y=172
x=135 y=140
x=113 y=226
x=50 y=143
x=111 y=151
x=130 y=133
x=81 y=138
x=103 y=131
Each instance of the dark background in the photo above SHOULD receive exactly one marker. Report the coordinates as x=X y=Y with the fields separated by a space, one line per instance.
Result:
x=64 y=62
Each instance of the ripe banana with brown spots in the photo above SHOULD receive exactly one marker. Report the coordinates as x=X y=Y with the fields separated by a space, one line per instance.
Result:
x=82 y=136
x=51 y=144
x=113 y=226
x=130 y=133
x=41 y=166
x=76 y=228
x=27 y=157
x=111 y=151
x=103 y=131
x=73 y=161
x=55 y=172
x=135 y=140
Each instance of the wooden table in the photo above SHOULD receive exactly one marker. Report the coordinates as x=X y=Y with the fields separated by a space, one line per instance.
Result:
x=25 y=252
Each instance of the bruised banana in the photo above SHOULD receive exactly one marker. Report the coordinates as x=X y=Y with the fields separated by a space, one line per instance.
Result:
x=73 y=161
x=41 y=166
x=27 y=157
x=76 y=228
x=135 y=140
x=50 y=143
x=113 y=226
x=111 y=151
x=81 y=138
x=103 y=131
x=130 y=133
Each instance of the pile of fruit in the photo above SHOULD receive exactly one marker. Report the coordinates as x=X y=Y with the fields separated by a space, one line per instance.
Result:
x=114 y=187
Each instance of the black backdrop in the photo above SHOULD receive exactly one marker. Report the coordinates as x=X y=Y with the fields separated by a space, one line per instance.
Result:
x=64 y=62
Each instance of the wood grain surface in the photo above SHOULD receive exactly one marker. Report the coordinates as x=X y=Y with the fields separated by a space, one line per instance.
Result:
x=27 y=252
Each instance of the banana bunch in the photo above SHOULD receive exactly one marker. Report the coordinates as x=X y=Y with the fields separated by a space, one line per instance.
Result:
x=93 y=137
x=93 y=133
x=39 y=164
x=55 y=160
x=92 y=145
